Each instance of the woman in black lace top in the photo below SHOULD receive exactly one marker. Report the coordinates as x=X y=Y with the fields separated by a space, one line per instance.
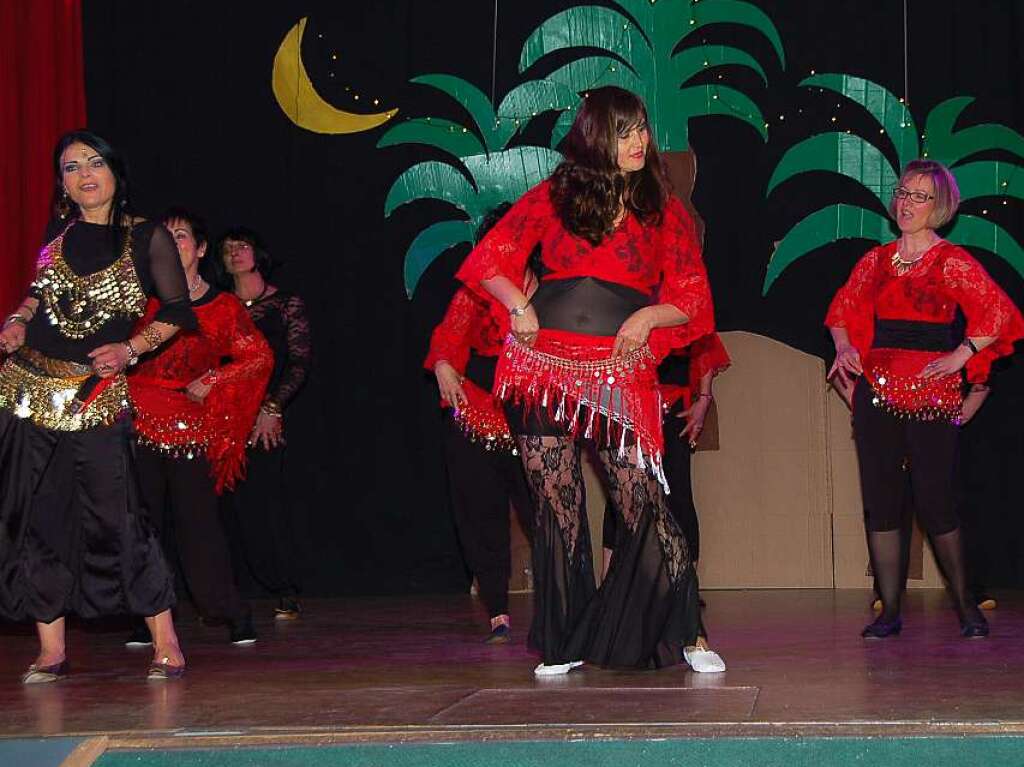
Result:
x=74 y=535
x=259 y=508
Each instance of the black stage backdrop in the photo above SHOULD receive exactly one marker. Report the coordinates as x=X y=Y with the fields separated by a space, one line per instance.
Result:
x=184 y=88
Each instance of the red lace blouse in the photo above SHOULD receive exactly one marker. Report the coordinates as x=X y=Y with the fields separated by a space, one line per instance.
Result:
x=663 y=261
x=165 y=418
x=468 y=325
x=706 y=355
x=946 y=277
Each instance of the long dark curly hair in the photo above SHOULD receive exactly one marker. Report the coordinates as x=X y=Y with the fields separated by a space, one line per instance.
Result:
x=587 y=187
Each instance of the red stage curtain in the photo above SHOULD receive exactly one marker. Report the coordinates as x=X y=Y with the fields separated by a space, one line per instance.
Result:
x=42 y=94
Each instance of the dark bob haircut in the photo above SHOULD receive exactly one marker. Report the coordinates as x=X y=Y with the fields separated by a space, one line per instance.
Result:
x=261 y=258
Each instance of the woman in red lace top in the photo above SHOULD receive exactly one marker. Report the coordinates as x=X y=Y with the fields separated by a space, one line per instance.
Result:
x=892 y=323
x=195 y=404
x=622 y=282
x=484 y=474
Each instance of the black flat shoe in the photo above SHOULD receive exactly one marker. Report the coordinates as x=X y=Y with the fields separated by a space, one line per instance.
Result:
x=46 y=674
x=880 y=629
x=162 y=671
x=242 y=632
x=139 y=637
x=288 y=609
x=974 y=629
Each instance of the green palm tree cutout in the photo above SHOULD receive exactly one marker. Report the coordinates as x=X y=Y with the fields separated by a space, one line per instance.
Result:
x=641 y=56
x=861 y=160
x=484 y=172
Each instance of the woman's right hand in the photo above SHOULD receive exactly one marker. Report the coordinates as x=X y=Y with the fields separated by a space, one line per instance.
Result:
x=449 y=382
x=267 y=432
x=12 y=337
x=847 y=363
x=525 y=326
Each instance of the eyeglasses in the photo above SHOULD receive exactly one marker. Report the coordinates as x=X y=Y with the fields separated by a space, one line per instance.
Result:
x=901 y=193
x=232 y=245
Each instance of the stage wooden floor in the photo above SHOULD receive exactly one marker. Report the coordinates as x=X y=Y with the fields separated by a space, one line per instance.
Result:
x=402 y=669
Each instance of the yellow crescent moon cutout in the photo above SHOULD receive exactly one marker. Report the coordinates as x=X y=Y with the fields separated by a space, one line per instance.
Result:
x=300 y=101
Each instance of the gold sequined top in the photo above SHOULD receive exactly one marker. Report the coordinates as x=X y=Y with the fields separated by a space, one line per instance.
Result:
x=79 y=306
x=90 y=294
x=92 y=282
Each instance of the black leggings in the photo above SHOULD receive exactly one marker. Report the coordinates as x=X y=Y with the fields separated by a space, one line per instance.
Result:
x=884 y=442
x=259 y=521
x=482 y=484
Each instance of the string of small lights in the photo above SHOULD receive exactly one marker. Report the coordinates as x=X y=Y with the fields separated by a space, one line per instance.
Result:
x=600 y=78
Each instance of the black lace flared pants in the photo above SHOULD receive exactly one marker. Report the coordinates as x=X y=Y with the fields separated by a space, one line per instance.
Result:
x=647 y=606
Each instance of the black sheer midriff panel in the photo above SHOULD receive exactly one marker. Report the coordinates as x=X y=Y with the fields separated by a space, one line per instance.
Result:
x=586 y=305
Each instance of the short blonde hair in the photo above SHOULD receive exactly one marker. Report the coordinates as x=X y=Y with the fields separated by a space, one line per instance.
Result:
x=947 y=193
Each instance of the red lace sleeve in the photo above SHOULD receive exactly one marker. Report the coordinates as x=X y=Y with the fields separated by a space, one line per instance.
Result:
x=989 y=311
x=506 y=248
x=853 y=306
x=452 y=338
x=237 y=391
x=684 y=281
x=707 y=355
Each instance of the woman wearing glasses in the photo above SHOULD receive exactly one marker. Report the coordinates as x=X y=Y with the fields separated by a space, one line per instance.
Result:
x=892 y=324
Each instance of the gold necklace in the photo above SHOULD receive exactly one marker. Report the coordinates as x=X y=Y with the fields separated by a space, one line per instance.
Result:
x=250 y=301
x=903 y=265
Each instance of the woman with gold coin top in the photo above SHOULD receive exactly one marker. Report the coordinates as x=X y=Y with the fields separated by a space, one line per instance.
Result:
x=74 y=535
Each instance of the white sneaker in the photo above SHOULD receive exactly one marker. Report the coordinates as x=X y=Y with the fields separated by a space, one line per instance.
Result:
x=556 y=669
x=703 y=661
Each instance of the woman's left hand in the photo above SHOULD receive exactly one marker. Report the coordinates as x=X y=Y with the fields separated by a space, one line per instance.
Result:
x=946 y=365
x=632 y=334
x=198 y=389
x=695 y=415
x=109 y=360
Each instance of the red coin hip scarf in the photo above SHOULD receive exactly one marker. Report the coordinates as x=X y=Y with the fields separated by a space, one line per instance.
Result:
x=483 y=420
x=896 y=385
x=900 y=351
x=573 y=380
